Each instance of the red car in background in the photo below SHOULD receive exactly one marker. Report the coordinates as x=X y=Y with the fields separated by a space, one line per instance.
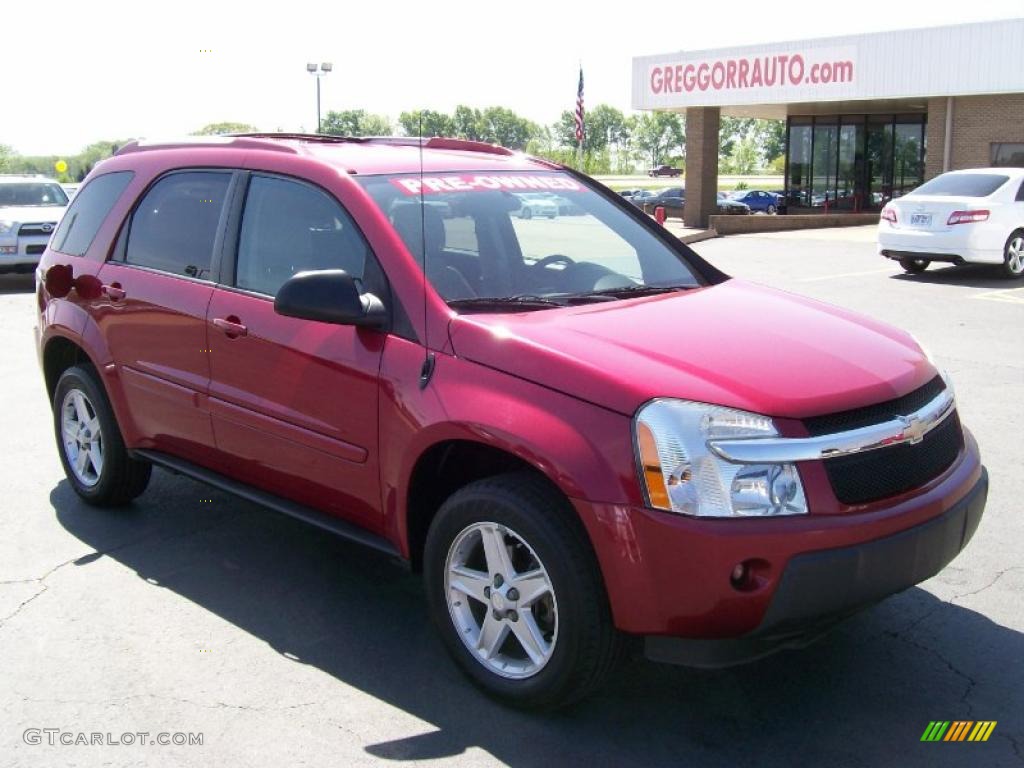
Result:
x=580 y=431
x=665 y=170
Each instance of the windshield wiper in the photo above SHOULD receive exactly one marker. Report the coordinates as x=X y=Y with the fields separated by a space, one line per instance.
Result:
x=520 y=302
x=634 y=290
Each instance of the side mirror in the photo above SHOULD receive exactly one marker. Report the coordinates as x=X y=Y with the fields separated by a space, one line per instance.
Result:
x=329 y=296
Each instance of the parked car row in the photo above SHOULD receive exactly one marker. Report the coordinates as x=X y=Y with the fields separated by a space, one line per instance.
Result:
x=673 y=199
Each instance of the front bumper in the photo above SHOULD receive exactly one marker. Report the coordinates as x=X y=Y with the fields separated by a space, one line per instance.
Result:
x=28 y=251
x=669 y=575
x=819 y=589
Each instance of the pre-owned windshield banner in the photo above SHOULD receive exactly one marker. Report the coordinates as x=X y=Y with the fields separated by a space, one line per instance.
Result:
x=478 y=182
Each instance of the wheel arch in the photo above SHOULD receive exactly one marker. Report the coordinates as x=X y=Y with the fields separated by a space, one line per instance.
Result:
x=447 y=465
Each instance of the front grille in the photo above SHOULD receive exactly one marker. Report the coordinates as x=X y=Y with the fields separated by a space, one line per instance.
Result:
x=34 y=230
x=33 y=250
x=875 y=414
x=885 y=472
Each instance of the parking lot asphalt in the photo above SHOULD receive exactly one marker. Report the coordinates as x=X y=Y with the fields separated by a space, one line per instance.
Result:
x=191 y=611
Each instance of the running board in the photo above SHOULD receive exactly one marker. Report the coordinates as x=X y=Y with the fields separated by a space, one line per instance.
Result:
x=299 y=511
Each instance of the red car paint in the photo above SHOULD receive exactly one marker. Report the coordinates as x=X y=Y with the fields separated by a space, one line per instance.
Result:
x=334 y=417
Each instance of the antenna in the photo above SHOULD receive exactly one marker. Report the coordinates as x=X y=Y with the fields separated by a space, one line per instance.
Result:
x=427 y=370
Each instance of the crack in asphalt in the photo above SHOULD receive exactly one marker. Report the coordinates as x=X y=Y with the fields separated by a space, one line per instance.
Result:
x=897 y=634
x=145 y=539
x=1013 y=745
x=158 y=697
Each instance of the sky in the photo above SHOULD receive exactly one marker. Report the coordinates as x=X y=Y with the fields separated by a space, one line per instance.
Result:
x=108 y=70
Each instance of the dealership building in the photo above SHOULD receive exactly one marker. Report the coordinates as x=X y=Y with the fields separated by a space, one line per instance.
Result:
x=868 y=117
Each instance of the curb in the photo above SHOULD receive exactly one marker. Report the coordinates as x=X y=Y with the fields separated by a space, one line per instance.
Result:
x=696 y=237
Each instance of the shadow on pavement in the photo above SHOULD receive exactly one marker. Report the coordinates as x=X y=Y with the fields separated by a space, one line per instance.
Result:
x=17 y=284
x=967 y=275
x=861 y=696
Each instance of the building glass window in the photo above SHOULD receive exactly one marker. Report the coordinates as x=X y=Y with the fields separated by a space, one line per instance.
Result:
x=853 y=162
x=1007 y=155
x=799 y=165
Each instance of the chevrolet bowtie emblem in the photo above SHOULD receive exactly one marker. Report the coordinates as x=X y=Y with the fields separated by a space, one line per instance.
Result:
x=913 y=429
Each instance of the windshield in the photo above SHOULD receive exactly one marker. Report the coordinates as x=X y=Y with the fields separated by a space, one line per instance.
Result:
x=32 y=194
x=486 y=240
x=963 y=185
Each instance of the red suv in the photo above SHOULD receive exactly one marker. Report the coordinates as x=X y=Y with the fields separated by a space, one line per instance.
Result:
x=579 y=430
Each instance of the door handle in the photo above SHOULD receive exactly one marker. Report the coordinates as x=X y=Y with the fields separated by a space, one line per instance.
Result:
x=114 y=291
x=231 y=326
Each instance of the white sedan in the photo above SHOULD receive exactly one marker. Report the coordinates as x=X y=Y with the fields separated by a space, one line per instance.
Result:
x=537 y=204
x=972 y=216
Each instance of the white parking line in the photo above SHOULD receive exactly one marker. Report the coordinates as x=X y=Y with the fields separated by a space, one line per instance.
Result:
x=844 y=274
x=1012 y=295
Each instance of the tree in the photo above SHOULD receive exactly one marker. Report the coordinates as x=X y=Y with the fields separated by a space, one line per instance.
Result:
x=771 y=139
x=6 y=153
x=355 y=122
x=659 y=133
x=426 y=123
x=466 y=123
x=217 y=129
x=499 y=125
x=744 y=157
x=604 y=126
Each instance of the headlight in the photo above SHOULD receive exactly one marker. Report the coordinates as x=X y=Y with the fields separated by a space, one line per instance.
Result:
x=7 y=226
x=679 y=473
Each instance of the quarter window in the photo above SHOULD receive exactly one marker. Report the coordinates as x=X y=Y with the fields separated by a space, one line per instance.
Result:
x=83 y=218
x=175 y=225
x=291 y=227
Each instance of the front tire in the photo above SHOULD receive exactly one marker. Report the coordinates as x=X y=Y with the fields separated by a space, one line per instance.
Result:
x=914 y=266
x=91 y=448
x=514 y=589
x=526 y=214
x=1013 y=256
x=770 y=210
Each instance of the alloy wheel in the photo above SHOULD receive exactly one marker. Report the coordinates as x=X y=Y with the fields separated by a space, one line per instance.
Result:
x=501 y=600
x=1015 y=255
x=82 y=437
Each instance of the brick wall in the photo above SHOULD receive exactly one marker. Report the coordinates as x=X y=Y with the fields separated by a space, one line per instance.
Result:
x=978 y=121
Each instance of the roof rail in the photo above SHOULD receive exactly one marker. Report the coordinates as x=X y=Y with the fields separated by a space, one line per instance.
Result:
x=434 y=142
x=236 y=142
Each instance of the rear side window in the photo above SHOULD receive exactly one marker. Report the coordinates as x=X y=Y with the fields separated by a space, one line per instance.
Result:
x=963 y=185
x=83 y=218
x=291 y=227
x=174 y=227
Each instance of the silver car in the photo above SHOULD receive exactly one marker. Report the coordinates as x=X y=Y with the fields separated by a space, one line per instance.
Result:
x=30 y=208
x=537 y=204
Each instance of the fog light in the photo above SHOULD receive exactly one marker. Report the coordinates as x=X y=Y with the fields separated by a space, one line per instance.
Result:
x=8 y=249
x=739 y=574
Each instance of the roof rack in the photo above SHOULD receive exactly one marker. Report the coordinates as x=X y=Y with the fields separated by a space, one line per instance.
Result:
x=434 y=142
x=235 y=141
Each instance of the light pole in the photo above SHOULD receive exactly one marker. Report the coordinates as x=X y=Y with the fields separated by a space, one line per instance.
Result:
x=318 y=72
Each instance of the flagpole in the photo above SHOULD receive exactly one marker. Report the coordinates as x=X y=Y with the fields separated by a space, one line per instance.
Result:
x=580 y=134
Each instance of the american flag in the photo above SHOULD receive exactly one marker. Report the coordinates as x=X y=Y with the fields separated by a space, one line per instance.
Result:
x=579 y=110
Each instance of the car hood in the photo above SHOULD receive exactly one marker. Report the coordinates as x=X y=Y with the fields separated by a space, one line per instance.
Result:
x=735 y=344
x=30 y=213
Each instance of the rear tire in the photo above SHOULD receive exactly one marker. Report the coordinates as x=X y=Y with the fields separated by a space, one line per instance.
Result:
x=96 y=462
x=914 y=266
x=476 y=593
x=526 y=214
x=1013 y=256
